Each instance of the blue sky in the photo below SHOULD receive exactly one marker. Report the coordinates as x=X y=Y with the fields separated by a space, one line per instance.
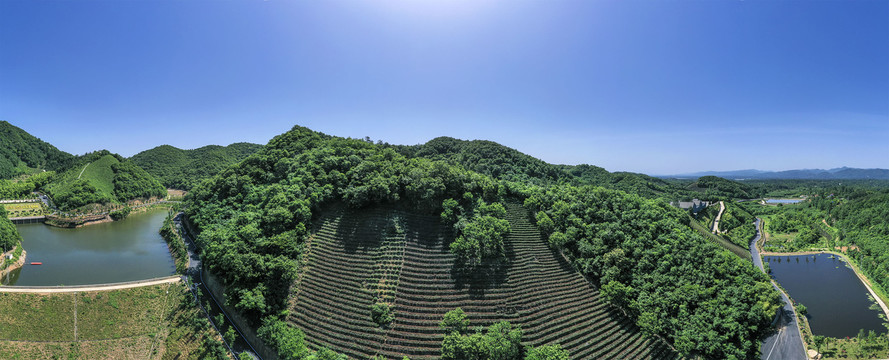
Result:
x=653 y=87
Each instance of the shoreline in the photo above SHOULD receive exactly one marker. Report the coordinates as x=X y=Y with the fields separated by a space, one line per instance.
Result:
x=95 y=287
x=16 y=265
x=864 y=280
x=861 y=277
x=106 y=218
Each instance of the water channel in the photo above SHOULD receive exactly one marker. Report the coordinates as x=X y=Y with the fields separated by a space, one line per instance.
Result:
x=118 y=251
x=837 y=301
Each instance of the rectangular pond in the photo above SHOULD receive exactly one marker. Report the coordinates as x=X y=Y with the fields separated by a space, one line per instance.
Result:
x=836 y=299
x=127 y=250
x=783 y=201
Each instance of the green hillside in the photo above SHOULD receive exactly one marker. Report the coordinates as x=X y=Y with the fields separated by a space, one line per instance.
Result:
x=9 y=236
x=183 y=169
x=714 y=187
x=436 y=235
x=487 y=157
x=21 y=152
x=504 y=163
x=99 y=178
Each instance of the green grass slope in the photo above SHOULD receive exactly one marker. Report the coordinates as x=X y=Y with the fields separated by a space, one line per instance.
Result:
x=183 y=169
x=102 y=177
x=21 y=152
x=157 y=322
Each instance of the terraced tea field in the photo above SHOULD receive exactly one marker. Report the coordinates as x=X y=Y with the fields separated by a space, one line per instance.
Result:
x=358 y=257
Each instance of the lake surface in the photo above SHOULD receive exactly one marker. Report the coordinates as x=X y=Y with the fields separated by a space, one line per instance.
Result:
x=125 y=250
x=836 y=300
x=783 y=201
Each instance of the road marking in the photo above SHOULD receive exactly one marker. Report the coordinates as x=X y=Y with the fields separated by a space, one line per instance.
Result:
x=777 y=340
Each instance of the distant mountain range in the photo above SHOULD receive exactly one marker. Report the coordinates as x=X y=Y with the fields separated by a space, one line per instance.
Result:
x=843 y=173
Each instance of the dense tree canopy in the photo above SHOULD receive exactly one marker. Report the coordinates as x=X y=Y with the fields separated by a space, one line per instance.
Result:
x=131 y=182
x=863 y=219
x=480 y=230
x=715 y=187
x=504 y=163
x=23 y=188
x=651 y=264
x=20 y=151
x=9 y=236
x=183 y=169
x=254 y=217
x=501 y=341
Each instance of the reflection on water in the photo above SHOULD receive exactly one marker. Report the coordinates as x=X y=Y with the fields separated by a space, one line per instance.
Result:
x=835 y=298
x=119 y=251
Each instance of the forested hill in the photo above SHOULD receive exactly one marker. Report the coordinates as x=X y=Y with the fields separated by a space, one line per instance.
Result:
x=713 y=186
x=21 y=152
x=487 y=157
x=639 y=184
x=183 y=169
x=505 y=163
x=101 y=177
x=256 y=219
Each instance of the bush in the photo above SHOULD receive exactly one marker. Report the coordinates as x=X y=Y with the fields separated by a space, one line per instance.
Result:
x=120 y=214
x=455 y=321
x=547 y=352
x=381 y=314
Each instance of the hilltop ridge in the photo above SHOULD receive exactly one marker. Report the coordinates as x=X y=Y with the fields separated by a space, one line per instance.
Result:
x=183 y=169
x=21 y=152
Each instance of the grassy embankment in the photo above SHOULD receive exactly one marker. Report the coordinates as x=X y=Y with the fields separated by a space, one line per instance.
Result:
x=153 y=322
x=97 y=173
x=735 y=249
x=175 y=243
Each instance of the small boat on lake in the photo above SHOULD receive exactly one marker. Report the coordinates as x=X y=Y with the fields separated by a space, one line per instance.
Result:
x=36 y=263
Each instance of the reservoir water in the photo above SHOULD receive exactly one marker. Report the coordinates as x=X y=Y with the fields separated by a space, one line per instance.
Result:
x=127 y=250
x=783 y=201
x=835 y=298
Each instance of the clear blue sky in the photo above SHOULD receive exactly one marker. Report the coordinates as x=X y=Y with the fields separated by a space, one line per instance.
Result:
x=645 y=86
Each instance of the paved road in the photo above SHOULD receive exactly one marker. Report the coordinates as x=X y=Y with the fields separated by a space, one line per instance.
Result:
x=786 y=342
x=194 y=272
x=715 y=229
x=77 y=288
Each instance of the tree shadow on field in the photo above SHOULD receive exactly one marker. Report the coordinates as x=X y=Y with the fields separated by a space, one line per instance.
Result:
x=479 y=279
x=359 y=230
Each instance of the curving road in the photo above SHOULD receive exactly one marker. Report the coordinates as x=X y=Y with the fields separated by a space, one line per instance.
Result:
x=786 y=342
x=715 y=229
x=193 y=271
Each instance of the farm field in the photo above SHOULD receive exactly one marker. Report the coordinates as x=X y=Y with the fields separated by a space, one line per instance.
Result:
x=351 y=264
x=153 y=322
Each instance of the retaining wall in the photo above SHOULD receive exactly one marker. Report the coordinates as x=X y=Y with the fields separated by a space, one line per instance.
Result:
x=218 y=290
